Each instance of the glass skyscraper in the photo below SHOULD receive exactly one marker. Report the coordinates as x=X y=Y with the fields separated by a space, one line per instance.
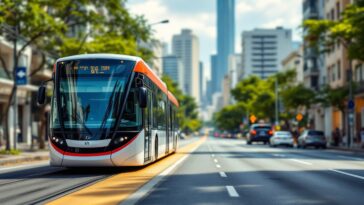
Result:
x=225 y=39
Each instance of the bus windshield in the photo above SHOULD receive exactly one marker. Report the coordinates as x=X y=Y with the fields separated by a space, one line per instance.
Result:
x=90 y=93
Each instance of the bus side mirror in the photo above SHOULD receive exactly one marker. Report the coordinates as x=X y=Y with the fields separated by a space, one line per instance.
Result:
x=41 y=95
x=143 y=97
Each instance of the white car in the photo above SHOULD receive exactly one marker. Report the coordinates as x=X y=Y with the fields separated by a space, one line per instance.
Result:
x=281 y=138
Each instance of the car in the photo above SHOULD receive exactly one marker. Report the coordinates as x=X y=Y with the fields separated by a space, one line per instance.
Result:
x=281 y=138
x=313 y=138
x=259 y=133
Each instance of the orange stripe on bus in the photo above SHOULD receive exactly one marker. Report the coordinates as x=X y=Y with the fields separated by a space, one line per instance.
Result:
x=142 y=67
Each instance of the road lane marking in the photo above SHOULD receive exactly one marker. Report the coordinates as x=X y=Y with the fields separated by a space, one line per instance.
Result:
x=215 y=160
x=301 y=162
x=145 y=189
x=222 y=174
x=218 y=166
x=352 y=158
x=118 y=188
x=232 y=192
x=212 y=155
x=347 y=174
x=279 y=155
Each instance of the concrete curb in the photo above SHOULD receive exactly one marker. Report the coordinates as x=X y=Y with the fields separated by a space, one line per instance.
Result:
x=14 y=160
x=355 y=150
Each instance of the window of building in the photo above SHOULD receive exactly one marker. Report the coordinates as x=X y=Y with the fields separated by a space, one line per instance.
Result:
x=338 y=67
x=338 y=11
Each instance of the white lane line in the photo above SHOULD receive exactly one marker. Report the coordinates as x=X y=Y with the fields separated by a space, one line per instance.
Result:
x=222 y=174
x=301 y=162
x=232 y=192
x=215 y=160
x=144 y=190
x=347 y=174
x=212 y=155
x=218 y=166
x=279 y=155
x=352 y=158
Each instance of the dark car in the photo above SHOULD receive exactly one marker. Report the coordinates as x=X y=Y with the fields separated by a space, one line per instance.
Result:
x=313 y=138
x=259 y=133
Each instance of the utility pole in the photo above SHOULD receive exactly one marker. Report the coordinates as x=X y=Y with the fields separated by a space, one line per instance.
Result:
x=15 y=99
x=351 y=107
x=276 y=94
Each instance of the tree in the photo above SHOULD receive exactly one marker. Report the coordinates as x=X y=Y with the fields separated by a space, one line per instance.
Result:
x=298 y=96
x=230 y=117
x=71 y=27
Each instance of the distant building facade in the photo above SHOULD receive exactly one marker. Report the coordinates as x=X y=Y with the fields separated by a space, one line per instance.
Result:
x=172 y=66
x=225 y=39
x=264 y=50
x=186 y=47
x=294 y=61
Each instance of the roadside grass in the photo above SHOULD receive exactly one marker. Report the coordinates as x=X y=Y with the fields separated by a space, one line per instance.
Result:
x=10 y=152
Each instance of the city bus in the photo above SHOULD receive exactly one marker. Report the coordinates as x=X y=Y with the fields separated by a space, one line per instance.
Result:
x=109 y=110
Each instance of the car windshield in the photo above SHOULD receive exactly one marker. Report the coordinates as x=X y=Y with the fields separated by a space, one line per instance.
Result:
x=314 y=133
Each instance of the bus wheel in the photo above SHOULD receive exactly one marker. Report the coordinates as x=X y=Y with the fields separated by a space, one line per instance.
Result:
x=156 y=148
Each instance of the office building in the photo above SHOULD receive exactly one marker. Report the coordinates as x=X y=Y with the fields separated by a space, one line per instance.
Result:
x=172 y=67
x=264 y=50
x=202 y=84
x=186 y=47
x=225 y=38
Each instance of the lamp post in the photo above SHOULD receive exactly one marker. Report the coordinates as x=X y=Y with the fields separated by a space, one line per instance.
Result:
x=165 y=21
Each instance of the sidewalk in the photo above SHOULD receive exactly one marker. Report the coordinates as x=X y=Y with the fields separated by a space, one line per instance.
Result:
x=26 y=156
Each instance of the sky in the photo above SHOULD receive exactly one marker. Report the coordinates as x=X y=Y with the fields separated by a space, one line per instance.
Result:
x=200 y=16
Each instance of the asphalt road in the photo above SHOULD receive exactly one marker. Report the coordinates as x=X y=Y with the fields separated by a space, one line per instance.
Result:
x=220 y=171
x=223 y=171
x=40 y=183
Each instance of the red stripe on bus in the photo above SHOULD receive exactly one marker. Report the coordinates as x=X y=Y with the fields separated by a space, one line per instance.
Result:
x=92 y=154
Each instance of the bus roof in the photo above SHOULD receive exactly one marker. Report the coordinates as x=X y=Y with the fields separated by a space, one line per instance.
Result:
x=140 y=67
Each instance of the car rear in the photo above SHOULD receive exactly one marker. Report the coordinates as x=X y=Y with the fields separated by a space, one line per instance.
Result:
x=282 y=138
x=260 y=133
x=316 y=139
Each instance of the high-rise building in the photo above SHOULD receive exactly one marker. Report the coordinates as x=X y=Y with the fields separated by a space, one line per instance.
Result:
x=314 y=62
x=215 y=83
x=264 y=50
x=186 y=47
x=225 y=38
x=202 y=84
x=172 y=66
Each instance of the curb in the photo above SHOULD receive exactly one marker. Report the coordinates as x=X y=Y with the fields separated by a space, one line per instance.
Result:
x=21 y=159
x=354 y=150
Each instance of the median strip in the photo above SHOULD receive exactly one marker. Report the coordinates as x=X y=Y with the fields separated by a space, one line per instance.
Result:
x=118 y=188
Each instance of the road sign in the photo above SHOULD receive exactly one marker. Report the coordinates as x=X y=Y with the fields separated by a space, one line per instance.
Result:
x=299 y=117
x=253 y=119
x=351 y=104
x=21 y=76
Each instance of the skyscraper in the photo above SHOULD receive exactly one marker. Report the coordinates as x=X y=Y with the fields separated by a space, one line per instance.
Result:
x=225 y=38
x=201 y=84
x=186 y=47
x=172 y=66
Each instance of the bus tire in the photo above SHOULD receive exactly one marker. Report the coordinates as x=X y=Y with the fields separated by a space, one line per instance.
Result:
x=156 y=148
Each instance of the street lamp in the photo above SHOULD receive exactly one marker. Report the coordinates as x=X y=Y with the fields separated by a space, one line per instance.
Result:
x=160 y=22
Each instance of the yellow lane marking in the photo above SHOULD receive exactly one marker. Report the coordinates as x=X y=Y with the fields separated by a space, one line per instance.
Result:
x=117 y=188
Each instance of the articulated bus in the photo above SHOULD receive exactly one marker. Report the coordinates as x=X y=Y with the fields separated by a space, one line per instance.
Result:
x=109 y=110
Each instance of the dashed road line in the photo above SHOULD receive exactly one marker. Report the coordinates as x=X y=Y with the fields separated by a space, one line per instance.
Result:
x=347 y=174
x=215 y=160
x=218 y=166
x=232 y=192
x=301 y=162
x=222 y=174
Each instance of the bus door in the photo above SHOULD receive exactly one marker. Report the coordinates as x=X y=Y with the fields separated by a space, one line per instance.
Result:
x=148 y=128
x=171 y=129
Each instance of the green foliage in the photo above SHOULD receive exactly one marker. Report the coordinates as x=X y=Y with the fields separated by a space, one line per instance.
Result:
x=10 y=152
x=298 y=96
x=71 y=27
x=229 y=118
x=348 y=30
x=188 y=110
